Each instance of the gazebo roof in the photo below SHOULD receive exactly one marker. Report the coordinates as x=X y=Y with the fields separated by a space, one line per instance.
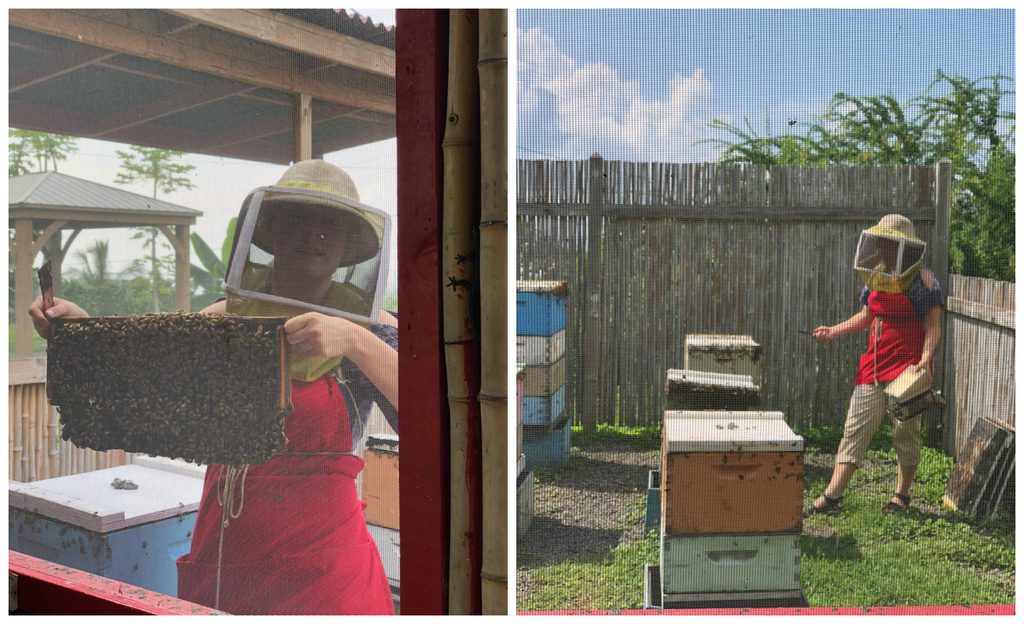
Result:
x=50 y=195
x=222 y=82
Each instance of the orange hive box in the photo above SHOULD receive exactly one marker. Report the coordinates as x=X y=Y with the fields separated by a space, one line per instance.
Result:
x=730 y=472
x=380 y=481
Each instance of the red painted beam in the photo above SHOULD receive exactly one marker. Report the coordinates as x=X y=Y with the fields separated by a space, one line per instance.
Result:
x=421 y=45
x=46 y=588
x=941 y=610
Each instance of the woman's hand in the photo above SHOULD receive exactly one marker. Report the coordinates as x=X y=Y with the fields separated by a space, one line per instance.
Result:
x=318 y=335
x=926 y=363
x=824 y=333
x=62 y=308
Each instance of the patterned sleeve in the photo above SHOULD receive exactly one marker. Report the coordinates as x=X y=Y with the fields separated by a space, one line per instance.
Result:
x=364 y=393
x=923 y=299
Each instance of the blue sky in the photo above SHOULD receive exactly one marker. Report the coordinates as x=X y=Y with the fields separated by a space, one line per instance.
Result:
x=644 y=84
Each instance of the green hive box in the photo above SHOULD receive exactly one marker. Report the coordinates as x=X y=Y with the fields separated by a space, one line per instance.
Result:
x=705 y=567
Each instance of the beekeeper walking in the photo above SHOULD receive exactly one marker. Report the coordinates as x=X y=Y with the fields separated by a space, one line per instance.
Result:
x=901 y=307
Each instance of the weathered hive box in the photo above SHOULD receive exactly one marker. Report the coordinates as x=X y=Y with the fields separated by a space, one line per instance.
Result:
x=723 y=353
x=524 y=496
x=697 y=390
x=707 y=568
x=548 y=445
x=519 y=409
x=540 y=307
x=544 y=380
x=730 y=472
x=389 y=546
x=131 y=535
x=544 y=410
x=540 y=350
x=380 y=481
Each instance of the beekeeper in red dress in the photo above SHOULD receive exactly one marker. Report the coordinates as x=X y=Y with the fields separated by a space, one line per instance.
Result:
x=288 y=536
x=902 y=310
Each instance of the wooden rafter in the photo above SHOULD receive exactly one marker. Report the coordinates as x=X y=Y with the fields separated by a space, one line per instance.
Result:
x=192 y=50
x=298 y=36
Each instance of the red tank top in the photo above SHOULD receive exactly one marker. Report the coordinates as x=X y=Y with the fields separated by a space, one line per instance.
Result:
x=895 y=338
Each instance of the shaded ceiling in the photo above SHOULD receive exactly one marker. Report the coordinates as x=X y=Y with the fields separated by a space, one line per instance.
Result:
x=219 y=82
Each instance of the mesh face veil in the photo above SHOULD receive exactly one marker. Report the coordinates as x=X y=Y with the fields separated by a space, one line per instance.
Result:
x=889 y=255
x=308 y=244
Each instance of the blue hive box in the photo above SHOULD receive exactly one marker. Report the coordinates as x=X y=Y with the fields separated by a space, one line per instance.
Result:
x=543 y=410
x=547 y=446
x=540 y=308
x=82 y=522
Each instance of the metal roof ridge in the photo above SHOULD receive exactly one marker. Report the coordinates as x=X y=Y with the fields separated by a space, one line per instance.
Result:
x=107 y=188
x=35 y=186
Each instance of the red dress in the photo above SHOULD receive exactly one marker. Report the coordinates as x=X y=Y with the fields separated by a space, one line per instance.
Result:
x=299 y=545
x=895 y=339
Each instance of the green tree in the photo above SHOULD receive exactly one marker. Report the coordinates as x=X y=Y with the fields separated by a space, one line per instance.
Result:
x=149 y=163
x=46 y=149
x=956 y=118
x=207 y=280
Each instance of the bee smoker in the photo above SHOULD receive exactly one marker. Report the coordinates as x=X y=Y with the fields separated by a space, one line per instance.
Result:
x=911 y=394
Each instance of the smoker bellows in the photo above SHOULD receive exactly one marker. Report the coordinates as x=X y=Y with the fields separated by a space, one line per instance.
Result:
x=209 y=389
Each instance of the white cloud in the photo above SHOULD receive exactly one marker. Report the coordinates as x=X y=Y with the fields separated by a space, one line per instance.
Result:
x=570 y=110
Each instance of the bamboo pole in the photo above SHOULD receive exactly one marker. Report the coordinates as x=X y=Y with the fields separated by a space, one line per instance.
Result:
x=493 y=68
x=10 y=430
x=19 y=443
x=458 y=265
x=54 y=450
x=33 y=423
x=44 y=437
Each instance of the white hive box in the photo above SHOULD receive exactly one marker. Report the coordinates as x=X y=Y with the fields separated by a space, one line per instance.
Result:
x=723 y=353
x=540 y=350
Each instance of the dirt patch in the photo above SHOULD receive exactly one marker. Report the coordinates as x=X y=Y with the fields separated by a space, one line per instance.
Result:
x=588 y=508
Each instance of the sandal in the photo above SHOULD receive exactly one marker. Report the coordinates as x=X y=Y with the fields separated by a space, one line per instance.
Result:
x=831 y=506
x=903 y=505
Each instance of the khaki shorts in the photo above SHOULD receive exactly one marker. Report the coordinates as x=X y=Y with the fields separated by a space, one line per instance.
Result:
x=866 y=413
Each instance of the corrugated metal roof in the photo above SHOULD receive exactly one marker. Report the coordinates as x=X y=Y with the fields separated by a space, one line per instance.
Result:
x=58 y=190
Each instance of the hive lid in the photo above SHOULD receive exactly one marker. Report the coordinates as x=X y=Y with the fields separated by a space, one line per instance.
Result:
x=542 y=286
x=700 y=379
x=89 y=501
x=729 y=341
x=728 y=432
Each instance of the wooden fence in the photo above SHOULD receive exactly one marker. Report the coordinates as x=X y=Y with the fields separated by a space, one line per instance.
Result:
x=652 y=252
x=979 y=353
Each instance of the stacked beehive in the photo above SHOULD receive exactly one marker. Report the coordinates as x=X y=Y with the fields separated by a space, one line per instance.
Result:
x=380 y=491
x=731 y=485
x=540 y=347
x=524 y=478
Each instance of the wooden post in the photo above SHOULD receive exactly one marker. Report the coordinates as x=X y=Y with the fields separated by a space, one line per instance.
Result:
x=22 y=287
x=421 y=52
x=303 y=127
x=182 y=270
x=935 y=429
x=588 y=405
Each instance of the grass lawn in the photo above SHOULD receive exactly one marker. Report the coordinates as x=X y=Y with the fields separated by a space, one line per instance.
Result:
x=927 y=556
